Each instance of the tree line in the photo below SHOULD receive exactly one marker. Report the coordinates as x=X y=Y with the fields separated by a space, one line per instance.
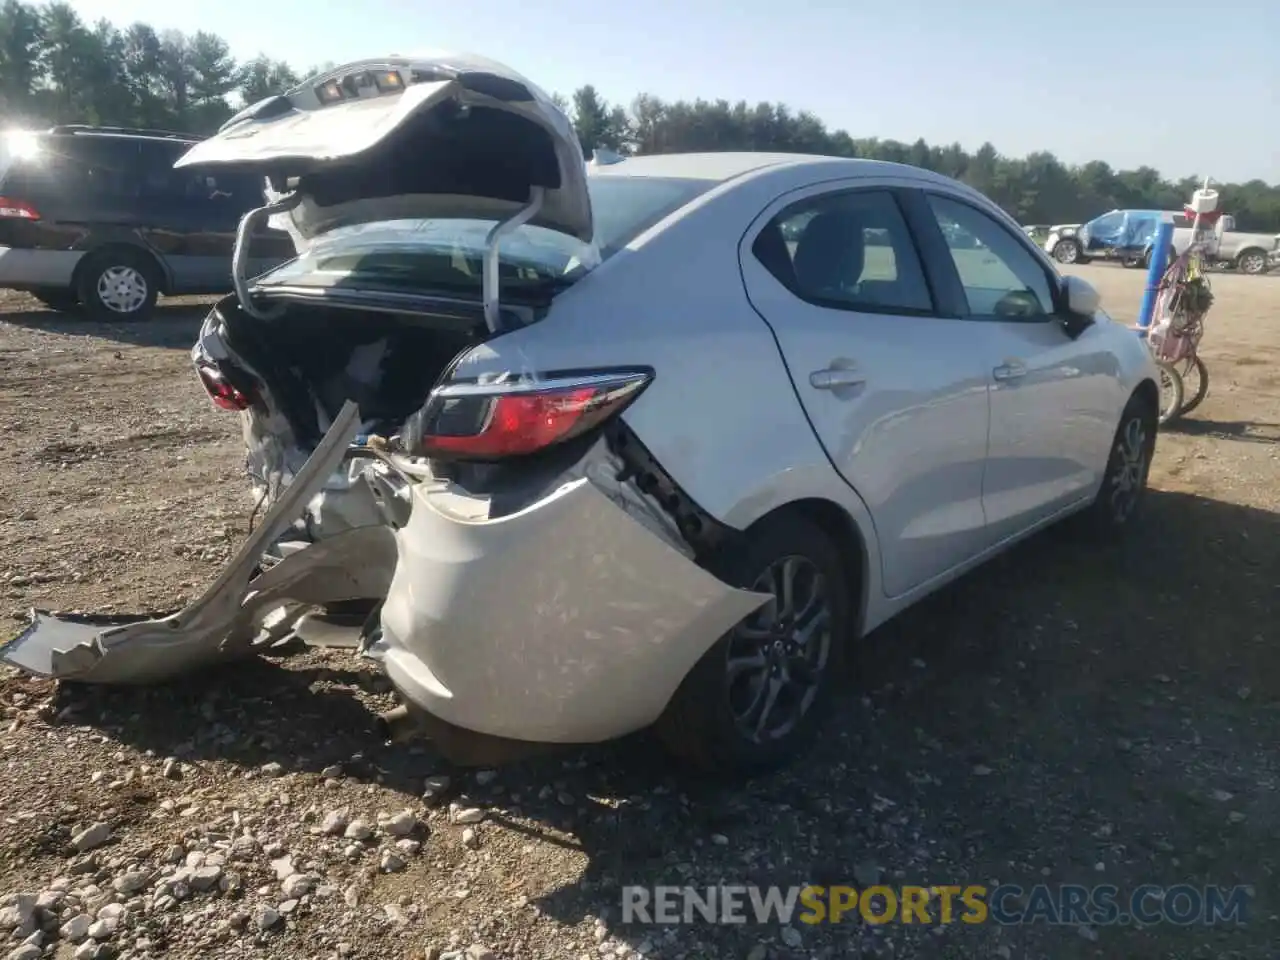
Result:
x=55 y=68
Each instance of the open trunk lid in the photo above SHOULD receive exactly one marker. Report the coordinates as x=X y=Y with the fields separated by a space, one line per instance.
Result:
x=438 y=136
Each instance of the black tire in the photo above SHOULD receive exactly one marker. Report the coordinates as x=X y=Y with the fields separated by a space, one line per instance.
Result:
x=64 y=301
x=1253 y=262
x=704 y=726
x=108 y=285
x=1124 y=484
x=1189 y=403
x=1067 y=250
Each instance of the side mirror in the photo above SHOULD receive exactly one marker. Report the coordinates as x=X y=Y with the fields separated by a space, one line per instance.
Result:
x=1082 y=302
x=1081 y=297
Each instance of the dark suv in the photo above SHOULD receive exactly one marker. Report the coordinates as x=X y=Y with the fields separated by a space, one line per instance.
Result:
x=96 y=218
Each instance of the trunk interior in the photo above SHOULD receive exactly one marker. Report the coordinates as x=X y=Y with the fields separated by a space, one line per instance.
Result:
x=314 y=358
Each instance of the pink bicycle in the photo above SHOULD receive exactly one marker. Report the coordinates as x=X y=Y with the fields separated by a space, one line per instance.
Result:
x=1183 y=302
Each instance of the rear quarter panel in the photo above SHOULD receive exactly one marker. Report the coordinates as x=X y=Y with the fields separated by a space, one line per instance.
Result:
x=721 y=415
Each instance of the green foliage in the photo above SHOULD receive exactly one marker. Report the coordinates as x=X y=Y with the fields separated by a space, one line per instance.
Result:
x=55 y=68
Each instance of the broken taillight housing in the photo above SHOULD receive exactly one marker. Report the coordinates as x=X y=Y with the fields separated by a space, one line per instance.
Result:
x=489 y=421
x=11 y=209
x=222 y=391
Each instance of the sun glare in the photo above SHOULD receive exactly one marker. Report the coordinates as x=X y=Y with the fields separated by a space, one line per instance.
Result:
x=22 y=144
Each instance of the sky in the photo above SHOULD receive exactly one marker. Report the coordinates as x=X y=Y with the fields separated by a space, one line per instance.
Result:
x=1131 y=82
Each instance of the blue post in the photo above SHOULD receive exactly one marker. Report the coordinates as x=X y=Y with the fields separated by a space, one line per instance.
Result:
x=1155 y=273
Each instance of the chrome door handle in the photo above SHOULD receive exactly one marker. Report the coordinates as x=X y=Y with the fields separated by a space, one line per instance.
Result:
x=1011 y=370
x=835 y=377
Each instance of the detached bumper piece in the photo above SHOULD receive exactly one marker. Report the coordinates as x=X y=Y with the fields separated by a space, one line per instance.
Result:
x=223 y=623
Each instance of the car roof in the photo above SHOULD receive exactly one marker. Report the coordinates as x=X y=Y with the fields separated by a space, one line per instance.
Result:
x=88 y=132
x=718 y=167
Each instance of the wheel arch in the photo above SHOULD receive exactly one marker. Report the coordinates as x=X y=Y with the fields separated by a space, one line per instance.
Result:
x=849 y=539
x=135 y=249
x=1148 y=394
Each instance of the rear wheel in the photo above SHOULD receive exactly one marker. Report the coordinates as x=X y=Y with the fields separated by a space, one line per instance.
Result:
x=1253 y=262
x=756 y=699
x=118 y=284
x=64 y=301
x=1195 y=384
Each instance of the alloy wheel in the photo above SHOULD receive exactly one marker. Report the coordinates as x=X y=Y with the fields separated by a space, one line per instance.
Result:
x=1252 y=263
x=122 y=289
x=776 y=658
x=1129 y=469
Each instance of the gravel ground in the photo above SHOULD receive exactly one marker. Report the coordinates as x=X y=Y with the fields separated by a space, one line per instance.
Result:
x=1068 y=714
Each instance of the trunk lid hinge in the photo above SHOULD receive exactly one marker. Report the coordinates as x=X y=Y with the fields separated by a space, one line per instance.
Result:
x=491 y=284
x=240 y=257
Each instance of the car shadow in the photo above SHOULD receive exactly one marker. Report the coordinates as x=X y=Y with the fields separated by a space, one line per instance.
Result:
x=175 y=326
x=989 y=732
x=1226 y=429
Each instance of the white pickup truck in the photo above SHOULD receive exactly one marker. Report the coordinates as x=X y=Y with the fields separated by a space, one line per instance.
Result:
x=1253 y=253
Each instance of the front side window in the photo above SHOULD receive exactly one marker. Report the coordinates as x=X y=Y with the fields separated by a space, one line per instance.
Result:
x=1107 y=224
x=1002 y=280
x=850 y=250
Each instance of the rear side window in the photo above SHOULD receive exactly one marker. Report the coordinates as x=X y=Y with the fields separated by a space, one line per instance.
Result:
x=77 y=169
x=849 y=250
x=198 y=188
x=625 y=207
x=95 y=167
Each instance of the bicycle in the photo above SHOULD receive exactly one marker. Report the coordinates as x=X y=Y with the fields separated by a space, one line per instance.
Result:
x=1183 y=301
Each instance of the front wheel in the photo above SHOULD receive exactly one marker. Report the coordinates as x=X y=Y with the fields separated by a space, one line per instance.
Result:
x=756 y=699
x=1125 y=482
x=1066 y=251
x=1172 y=393
x=118 y=285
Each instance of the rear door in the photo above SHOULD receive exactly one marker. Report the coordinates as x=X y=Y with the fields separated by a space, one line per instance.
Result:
x=193 y=216
x=185 y=222
x=893 y=383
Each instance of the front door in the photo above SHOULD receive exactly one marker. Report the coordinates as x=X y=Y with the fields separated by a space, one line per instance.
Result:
x=1052 y=398
x=896 y=390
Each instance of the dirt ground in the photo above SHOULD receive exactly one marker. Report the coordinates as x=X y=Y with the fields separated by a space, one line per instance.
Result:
x=1070 y=714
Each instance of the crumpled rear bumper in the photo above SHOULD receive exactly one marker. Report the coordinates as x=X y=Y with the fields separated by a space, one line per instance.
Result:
x=568 y=622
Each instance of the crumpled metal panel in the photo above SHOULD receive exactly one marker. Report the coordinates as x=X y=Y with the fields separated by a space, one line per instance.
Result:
x=222 y=623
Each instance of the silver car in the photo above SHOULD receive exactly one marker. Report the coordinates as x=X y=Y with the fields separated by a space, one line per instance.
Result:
x=595 y=449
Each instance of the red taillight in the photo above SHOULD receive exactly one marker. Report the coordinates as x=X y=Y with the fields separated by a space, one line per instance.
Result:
x=12 y=209
x=490 y=421
x=221 y=391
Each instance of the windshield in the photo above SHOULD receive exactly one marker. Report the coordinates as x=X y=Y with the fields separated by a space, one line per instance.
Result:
x=449 y=253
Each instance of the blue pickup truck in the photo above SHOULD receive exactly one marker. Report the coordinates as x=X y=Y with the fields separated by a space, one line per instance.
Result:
x=1124 y=235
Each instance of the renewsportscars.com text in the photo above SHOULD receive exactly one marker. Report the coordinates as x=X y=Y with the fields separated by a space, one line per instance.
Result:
x=1008 y=904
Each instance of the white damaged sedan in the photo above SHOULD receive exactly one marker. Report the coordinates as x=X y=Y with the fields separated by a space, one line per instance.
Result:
x=583 y=449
